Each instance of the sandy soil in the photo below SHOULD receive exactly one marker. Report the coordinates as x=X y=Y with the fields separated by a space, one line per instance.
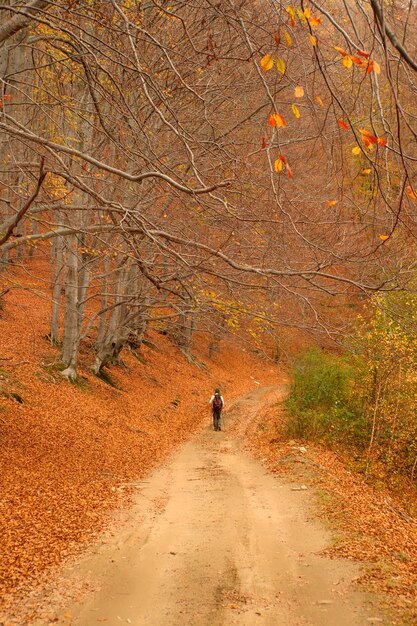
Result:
x=212 y=539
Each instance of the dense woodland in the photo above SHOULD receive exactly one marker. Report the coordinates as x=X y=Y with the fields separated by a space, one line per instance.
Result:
x=232 y=166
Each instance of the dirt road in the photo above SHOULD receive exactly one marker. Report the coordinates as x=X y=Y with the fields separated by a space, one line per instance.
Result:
x=215 y=540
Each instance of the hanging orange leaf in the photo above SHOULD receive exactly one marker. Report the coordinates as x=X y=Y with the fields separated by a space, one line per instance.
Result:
x=358 y=61
x=331 y=202
x=315 y=21
x=319 y=101
x=347 y=61
x=280 y=65
x=267 y=62
x=275 y=119
x=373 y=66
x=411 y=193
x=367 y=143
x=295 y=110
x=299 y=92
x=281 y=123
x=383 y=237
x=283 y=159
x=307 y=13
x=366 y=172
x=382 y=141
x=277 y=38
x=291 y=12
x=264 y=144
x=368 y=135
x=362 y=53
x=278 y=165
x=340 y=51
x=313 y=40
x=356 y=150
x=343 y=124
x=288 y=39
x=289 y=171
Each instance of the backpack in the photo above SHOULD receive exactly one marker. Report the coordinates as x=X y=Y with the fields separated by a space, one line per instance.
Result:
x=217 y=402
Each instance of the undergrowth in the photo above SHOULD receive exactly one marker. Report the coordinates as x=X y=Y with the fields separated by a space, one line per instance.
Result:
x=365 y=399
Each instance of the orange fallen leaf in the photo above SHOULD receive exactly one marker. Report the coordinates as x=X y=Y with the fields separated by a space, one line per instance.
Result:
x=366 y=172
x=331 y=202
x=299 y=92
x=313 y=40
x=383 y=237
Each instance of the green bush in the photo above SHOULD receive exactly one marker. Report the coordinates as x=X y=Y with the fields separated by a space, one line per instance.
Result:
x=322 y=402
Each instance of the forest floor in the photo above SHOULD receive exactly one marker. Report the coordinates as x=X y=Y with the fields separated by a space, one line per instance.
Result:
x=121 y=505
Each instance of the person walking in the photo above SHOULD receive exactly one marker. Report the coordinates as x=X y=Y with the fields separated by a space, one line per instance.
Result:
x=217 y=404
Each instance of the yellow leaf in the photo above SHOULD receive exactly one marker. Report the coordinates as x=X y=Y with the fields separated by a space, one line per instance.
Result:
x=347 y=61
x=278 y=165
x=331 y=202
x=287 y=38
x=313 y=40
x=267 y=62
x=319 y=101
x=295 y=110
x=299 y=92
x=307 y=13
x=280 y=65
x=383 y=237
x=356 y=150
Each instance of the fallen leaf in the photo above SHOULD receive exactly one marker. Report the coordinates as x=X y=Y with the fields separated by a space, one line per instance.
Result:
x=331 y=202
x=383 y=237
x=299 y=92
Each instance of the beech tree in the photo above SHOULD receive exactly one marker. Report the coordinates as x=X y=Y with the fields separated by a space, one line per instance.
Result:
x=231 y=162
